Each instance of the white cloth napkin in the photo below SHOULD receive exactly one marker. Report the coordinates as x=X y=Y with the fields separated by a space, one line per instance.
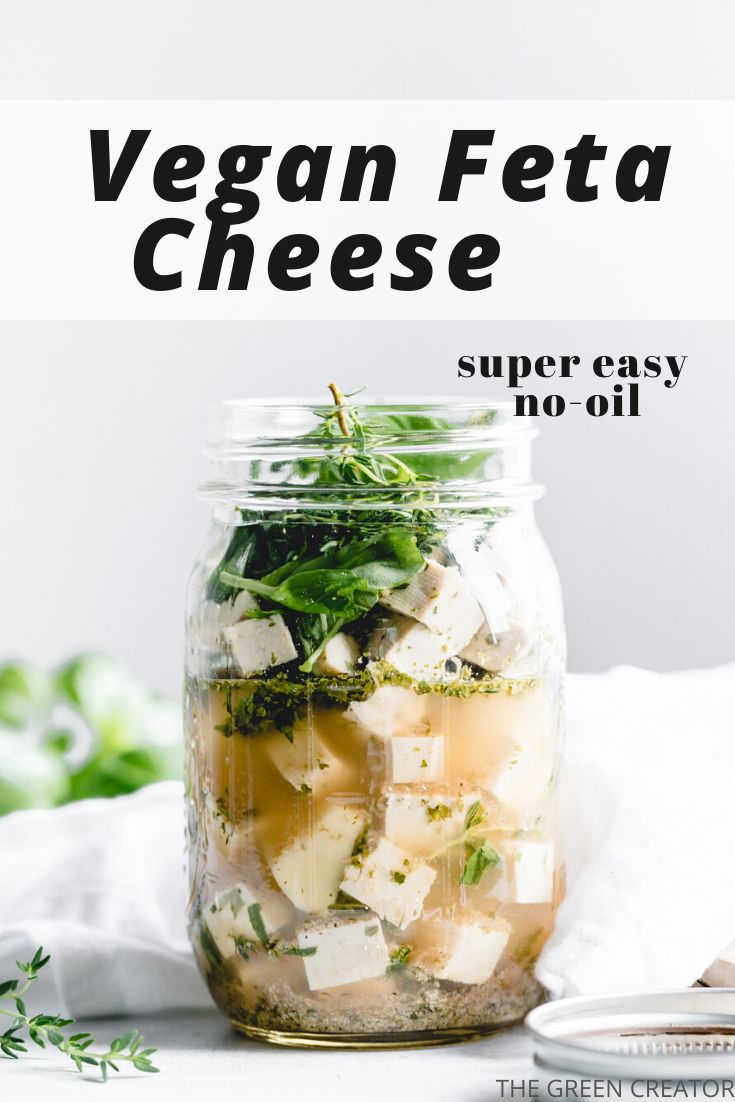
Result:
x=649 y=822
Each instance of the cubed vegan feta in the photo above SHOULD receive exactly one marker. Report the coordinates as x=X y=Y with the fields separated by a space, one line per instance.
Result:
x=259 y=644
x=417 y=758
x=347 y=951
x=439 y=598
x=471 y=952
x=339 y=655
x=307 y=763
x=387 y=711
x=421 y=822
x=521 y=783
x=529 y=870
x=412 y=648
x=391 y=881
x=310 y=868
x=491 y=651
x=214 y=618
x=227 y=916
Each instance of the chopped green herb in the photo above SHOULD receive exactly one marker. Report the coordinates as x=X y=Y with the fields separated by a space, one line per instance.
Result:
x=245 y=946
x=209 y=948
x=475 y=815
x=439 y=812
x=479 y=858
x=256 y=921
x=398 y=959
x=399 y=877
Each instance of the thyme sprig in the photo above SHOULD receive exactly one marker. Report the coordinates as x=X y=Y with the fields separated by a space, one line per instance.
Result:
x=48 y=1029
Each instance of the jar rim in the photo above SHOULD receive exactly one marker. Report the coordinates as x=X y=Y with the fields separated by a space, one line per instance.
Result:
x=270 y=451
x=241 y=424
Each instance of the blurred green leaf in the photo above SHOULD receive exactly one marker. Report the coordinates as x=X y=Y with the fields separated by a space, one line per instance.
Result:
x=91 y=729
x=29 y=776
x=26 y=694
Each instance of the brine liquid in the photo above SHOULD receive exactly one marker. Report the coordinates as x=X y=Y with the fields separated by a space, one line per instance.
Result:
x=246 y=808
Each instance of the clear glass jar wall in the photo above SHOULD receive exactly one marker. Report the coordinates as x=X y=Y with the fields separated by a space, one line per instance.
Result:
x=375 y=656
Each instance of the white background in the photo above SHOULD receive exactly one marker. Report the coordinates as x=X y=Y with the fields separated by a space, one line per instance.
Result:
x=402 y=49
x=66 y=256
x=102 y=425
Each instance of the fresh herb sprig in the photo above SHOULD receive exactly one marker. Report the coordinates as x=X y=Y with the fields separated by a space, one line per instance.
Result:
x=49 y=1029
x=479 y=853
x=273 y=946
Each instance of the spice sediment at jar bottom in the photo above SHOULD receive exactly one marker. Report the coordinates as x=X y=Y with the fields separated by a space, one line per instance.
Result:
x=373 y=713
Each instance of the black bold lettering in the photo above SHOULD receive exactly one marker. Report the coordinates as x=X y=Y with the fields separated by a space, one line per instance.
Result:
x=458 y=164
x=384 y=159
x=409 y=254
x=145 y=251
x=472 y=253
x=109 y=183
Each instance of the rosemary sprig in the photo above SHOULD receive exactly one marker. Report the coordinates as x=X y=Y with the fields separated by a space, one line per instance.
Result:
x=49 y=1029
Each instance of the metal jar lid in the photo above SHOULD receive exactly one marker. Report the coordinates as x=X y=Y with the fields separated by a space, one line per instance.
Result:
x=686 y=1034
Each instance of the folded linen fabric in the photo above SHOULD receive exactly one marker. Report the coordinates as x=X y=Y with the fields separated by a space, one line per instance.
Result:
x=649 y=820
x=648 y=824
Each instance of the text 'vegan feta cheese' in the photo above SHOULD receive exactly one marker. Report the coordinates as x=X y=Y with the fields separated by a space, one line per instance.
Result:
x=390 y=881
x=439 y=598
x=309 y=870
x=257 y=645
x=347 y=950
x=228 y=916
x=417 y=758
x=471 y=951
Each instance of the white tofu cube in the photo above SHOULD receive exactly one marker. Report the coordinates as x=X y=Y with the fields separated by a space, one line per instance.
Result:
x=492 y=652
x=258 y=645
x=522 y=784
x=391 y=881
x=214 y=618
x=388 y=711
x=227 y=916
x=412 y=648
x=417 y=758
x=310 y=868
x=307 y=763
x=440 y=598
x=339 y=656
x=232 y=612
x=347 y=951
x=529 y=869
x=423 y=823
x=472 y=951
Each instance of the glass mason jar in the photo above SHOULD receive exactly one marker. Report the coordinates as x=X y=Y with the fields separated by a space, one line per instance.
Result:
x=375 y=655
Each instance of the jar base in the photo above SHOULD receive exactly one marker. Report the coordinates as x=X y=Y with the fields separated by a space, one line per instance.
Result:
x=367 y=1041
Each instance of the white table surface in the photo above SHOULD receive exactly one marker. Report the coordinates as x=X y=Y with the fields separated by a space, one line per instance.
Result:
x=201 y=1058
